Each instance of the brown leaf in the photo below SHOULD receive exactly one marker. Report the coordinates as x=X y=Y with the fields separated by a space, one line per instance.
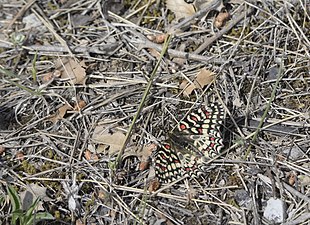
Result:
x=2 y=150
x=204 y=77
x=292 y=178
x=50 y=76
x=180 y=8
x=90 y=156
x=221 y=18
x=144 y=165
x=154 y=185
x=114 y=141
x=60 y=113
x=20 y=156
x=71 y=70
x=80 y=105
x=159 y=38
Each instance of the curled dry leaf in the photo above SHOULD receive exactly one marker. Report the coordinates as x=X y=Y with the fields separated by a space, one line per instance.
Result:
x=292 y=178
x=180 y=8
x=145 y=156
x=221 y=19
x=2 y=150
x=60 y=113
x=90 y=156
x=20 y=156
x=159 y=38
x=50 y=76
x=80 y=105
x=71 y=70
x=204 y=77
x=154 y=185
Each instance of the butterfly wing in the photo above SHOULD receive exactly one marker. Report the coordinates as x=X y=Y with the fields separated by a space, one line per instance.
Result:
x=201 y=129
x=171 y=164
x=168 y=166
x=198 y=136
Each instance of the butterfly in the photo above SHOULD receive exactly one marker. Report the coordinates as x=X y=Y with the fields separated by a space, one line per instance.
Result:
x=197 y=139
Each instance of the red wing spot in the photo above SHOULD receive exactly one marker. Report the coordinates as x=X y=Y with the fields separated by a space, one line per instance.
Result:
x=199 y=130
x=212 y=145
x=182 y=127
x=163 y=168
x=167 y=146
x=164 y=157
x=194 y=118
x=212 y=138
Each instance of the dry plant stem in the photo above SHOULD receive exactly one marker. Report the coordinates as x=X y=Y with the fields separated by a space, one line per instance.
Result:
x=303 y=218
x=184 y=55
x=251 y=91
x=228 y=27
x=280 y=75
x=20 y=13
x=102 y=49
x=50 y=27
x=148 y=87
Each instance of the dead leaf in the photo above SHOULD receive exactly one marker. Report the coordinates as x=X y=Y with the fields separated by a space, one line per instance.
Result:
x=154 y=185
x=2 y=150
x=204 y=77
x=180 y=8
x=114 y=141
x=221 y=19
x=159 y=38
x=50 y=76
x=20 y=156
x=80 y=105
x=60 y=113
x=90 y=156
x=144 y=165
x=292 y=178
x=71 y=70
x=154 y=53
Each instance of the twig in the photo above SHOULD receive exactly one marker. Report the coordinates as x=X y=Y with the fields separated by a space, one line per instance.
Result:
x=148 y=87
x=272 y=97
x=228 y=27
x=144 y=43
x=103 y=49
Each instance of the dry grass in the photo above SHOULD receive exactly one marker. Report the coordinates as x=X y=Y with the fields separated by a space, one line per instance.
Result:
x=261 y=59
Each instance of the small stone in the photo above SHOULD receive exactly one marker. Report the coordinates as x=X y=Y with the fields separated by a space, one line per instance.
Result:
x=275 y=210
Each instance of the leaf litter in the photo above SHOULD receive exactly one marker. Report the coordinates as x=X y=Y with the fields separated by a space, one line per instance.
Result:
x=75 y=82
